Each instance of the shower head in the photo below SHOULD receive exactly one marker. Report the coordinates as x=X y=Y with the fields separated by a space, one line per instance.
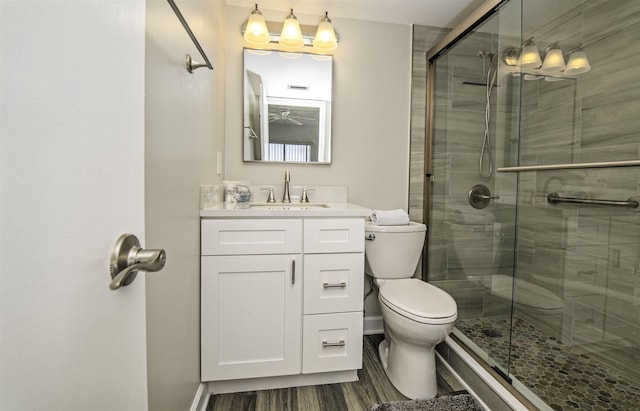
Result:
x=485 y=54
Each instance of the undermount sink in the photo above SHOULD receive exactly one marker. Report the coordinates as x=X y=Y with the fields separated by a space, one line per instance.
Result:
x=293 y=206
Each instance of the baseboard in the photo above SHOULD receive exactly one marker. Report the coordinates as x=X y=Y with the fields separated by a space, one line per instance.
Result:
x=373 y=325
x=201 y=400
x=283 y=381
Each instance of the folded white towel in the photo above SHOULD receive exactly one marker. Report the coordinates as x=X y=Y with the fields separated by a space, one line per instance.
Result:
x=390 y=217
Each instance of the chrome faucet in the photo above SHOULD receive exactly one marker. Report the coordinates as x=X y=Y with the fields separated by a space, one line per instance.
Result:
x=287 y=178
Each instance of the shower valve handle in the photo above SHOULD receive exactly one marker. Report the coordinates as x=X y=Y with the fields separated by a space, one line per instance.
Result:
x=479 y=196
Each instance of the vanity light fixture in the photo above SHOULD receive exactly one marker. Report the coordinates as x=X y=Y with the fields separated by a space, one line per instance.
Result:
x=291 y=35
x=578 y=62
x=510 y=56
x=553 y=59
x=553 y=68
x=529 y=55
x=256 y=32
x=325 y=35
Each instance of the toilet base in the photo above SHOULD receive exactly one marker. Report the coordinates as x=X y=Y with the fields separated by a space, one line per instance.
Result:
x=410 y=368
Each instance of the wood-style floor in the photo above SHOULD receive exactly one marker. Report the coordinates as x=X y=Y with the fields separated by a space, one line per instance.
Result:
x=372 y=388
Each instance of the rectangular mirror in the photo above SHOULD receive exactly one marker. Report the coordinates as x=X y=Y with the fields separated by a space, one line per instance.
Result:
x=287 y=107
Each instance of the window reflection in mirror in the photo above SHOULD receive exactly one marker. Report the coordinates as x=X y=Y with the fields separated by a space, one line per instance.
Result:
x=287 y=107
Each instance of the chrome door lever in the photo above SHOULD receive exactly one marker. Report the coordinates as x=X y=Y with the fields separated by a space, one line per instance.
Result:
x=127 y=257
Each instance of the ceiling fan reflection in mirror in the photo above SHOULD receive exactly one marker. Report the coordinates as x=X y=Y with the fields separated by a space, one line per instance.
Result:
x=298 y=116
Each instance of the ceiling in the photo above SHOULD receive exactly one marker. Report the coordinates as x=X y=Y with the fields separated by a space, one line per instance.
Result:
x=436 y=13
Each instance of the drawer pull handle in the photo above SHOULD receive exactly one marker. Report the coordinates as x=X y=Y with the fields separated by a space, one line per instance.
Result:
x=341 y=284
x=293 y=272
x=340 y=343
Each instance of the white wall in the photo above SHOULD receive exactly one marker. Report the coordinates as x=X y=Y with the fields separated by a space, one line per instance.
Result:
x=184 y=130
x=372 y=76
x=71 y=181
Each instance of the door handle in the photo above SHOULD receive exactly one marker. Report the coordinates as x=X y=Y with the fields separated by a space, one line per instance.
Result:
x=127 y=257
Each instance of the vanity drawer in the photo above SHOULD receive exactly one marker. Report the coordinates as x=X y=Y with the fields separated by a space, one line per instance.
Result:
x=333 y=282
x=332 y=342
x=333 y=235
x=246 y=236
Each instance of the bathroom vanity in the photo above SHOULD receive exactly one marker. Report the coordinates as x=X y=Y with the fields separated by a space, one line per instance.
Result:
x=281 y=294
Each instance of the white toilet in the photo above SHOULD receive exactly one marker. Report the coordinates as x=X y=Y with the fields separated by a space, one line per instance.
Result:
x=417 y=315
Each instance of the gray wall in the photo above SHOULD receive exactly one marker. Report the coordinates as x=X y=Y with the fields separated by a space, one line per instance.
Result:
x=184 y=120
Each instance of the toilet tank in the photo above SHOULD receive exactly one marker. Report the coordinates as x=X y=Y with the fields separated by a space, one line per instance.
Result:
x=395 y=251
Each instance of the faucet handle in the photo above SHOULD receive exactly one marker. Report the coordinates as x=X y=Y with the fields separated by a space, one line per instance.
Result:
x=305 y=196
x=272 y=198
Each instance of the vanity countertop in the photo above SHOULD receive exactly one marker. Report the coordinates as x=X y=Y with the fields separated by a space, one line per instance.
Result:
x=282 y=210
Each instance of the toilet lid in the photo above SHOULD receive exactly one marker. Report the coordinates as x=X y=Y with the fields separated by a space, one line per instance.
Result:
x=418 y=300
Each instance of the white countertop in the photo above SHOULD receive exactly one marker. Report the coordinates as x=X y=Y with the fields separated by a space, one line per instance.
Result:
x=278 y=210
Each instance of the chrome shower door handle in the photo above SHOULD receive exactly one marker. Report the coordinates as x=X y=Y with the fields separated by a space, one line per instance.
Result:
x=127 y=257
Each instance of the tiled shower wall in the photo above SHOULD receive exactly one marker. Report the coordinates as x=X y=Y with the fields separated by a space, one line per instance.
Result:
x=424 y=38
x=588 y=255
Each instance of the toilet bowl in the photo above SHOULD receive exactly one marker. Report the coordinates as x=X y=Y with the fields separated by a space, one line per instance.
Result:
x=417 y=315
x=525 y=295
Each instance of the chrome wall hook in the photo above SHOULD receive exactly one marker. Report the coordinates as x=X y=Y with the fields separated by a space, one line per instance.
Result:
x=127 y=257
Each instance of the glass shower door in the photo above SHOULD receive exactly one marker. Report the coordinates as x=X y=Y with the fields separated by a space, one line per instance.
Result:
x=472 y=231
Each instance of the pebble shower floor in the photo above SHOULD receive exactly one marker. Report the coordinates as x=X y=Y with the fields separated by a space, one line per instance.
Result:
x=562 y=377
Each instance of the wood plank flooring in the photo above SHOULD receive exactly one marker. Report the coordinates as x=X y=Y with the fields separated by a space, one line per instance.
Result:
x=373 y=387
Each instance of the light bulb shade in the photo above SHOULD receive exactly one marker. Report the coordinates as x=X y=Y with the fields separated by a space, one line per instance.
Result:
x=325 y=39
x=256 y=32
x=553 y=61
x=529 y=56
x=578 y=63
x=291 y=36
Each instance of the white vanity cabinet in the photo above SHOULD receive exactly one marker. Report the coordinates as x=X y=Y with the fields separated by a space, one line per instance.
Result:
x=281 y=301
x=251 y=298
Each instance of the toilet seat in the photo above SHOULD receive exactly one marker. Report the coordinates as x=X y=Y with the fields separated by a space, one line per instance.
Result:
x=418 y=301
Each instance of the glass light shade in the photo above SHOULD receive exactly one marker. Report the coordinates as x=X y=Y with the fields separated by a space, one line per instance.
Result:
x=291 y=36
x=553 y=61
x=325 y=35
x=529 y=56
x=256 y=32
x=578 y=63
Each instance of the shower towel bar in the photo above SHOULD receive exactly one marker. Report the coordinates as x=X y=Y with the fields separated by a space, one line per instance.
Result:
x=554 y=198
x=601 y=164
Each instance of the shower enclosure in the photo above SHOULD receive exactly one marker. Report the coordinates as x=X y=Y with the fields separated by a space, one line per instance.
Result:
x=534 y=220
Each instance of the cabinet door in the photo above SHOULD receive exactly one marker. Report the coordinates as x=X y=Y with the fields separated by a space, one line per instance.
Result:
x=251 y=316
x=333 y=283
